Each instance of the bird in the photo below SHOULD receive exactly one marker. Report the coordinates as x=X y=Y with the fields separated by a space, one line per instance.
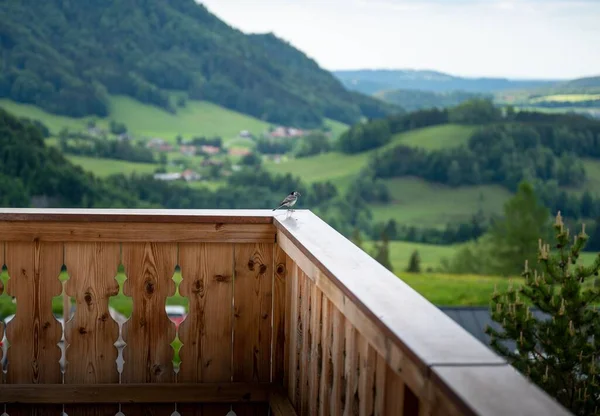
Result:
x=289 y=201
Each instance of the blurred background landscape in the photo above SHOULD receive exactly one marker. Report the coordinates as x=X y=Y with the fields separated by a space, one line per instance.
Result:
x=448 y=174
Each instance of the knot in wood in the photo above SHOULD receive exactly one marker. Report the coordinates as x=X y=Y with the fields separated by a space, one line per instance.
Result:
x=281 y=268
x=263 y=269
x=250 y=264
x=82 y=330
x=104 y=317
x=198 y=287
x=88 y=298
x=220 y=278
x=218 y=226
x=157 y=369
x=46 y=325
x=149 y=287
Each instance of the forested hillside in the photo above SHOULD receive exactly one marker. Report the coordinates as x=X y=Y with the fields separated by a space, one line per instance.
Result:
x=67 y=56
x=372 y=81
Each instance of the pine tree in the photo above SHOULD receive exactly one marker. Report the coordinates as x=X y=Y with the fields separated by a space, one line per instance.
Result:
x=414 y=264
x=562 y=353
x=382 y=252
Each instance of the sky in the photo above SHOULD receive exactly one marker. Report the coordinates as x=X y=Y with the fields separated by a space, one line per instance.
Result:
x=525 y=39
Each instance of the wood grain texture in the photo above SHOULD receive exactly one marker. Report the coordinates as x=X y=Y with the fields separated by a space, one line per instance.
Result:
x=206 y=353
x=135 y=232
x=314 y=361
x=423 y=332
x=33 y=334
x=91 y=333
x=136 y=393
x=366 y=380
x=280 y=404
x=294 y=338
x=253 y=292
x=326 y=372
x=148 y=355
x=225 y=216
x=279 y=315
x=394 y=393
x=304 y=335
x=380 y=383
x=337 y=363
x=472 y=385
x=351 y=368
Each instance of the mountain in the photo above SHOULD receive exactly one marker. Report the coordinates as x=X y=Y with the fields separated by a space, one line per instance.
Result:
x=412 y=100
x=370 y=81
x=66 y=57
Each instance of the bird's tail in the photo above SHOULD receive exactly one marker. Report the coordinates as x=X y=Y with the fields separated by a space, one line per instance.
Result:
x=278 y=207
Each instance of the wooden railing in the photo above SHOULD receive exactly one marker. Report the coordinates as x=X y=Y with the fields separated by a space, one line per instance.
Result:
x=276 y=304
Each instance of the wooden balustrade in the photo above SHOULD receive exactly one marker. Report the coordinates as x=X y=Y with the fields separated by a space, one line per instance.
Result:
x=275 y=303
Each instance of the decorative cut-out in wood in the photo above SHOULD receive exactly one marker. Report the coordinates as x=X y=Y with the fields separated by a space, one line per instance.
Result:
x=91 y=334
x=148 y=355
x=33 y=334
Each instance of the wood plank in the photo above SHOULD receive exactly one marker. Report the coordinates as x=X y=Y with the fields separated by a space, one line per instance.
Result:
x=206 y=353
x=280 y=404
x=2 y=322
x=253 y=291
x=366 y=380
x=424 y=332
x=326 y=370
x=337 y=363
x=148 y=355
x=380 y=383
x=136 y=232
x=135 y=393
x=280 y=277
x=351 y=371
x=294 y=339
x=34 y=332
x=394 y=393
x=225 y=216
x=91 y=333
x=304 y=342
x=315 y=350
x=469 y=388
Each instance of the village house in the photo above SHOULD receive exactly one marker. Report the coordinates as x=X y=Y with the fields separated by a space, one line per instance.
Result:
x=239 y=151
x=209 y=150
x=187 y=150
x=190 y=175
x=173 y=176
x=286 y=132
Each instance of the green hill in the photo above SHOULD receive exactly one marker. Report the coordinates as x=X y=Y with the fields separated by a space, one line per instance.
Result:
x=197 y=118
x=412 y=99
x=68 y=57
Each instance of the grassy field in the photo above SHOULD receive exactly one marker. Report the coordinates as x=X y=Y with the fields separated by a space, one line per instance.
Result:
x=198 y=118
x=423 y=203
x=435 y=138
x=106 y=167
x=572 y=98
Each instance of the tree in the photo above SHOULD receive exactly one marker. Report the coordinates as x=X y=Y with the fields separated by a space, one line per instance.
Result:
x=561 y=354
x=514 y=237
x=382 y=252
x=414 y=264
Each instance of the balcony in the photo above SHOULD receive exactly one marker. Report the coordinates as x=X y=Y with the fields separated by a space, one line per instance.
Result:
x=285 y=316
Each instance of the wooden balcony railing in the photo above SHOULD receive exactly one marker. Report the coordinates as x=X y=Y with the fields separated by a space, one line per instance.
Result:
x=284 y=315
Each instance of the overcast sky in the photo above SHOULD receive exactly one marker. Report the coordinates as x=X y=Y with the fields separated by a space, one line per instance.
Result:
x=507 y=38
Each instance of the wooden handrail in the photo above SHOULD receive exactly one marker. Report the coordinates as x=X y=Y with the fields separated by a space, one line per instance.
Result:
x=337 y=314
x=455 y=368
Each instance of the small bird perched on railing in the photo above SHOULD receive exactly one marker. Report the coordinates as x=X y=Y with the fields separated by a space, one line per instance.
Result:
x=289 y=201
